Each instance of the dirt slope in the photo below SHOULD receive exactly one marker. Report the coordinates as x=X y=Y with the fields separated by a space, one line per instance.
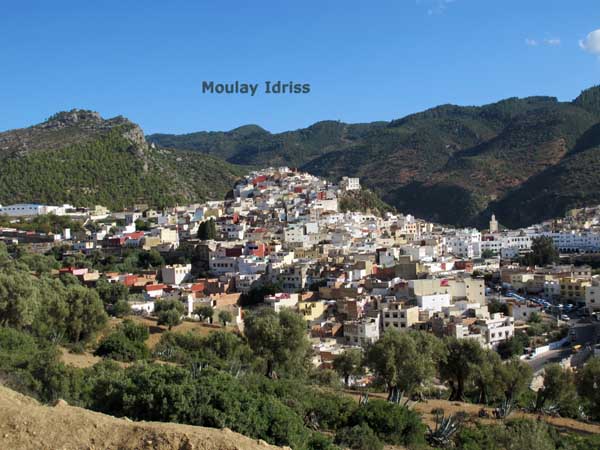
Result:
x=26 y=424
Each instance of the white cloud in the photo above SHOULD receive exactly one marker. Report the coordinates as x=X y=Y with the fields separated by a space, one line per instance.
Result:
x=435 y=7
x=552 y=42
x=591 y=43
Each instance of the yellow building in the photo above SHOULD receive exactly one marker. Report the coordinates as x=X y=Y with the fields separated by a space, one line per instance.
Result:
x=573 y=288
x=312 y=310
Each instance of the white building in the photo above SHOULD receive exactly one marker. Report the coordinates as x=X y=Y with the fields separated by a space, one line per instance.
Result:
x=464 y=243
x=361 y=332
x=281 y=300
x=176 y=274
x=32 y=209
x=350 y=184
x=399 y=316
x=523 y=311
x=496 y=329
x=592 y=296
x=433 y=302
x=574 y=242
x=221 y=265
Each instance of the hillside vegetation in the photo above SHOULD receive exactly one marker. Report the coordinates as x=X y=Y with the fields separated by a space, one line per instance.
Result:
x=452 y=164
x=26 y=424
x=79 y=158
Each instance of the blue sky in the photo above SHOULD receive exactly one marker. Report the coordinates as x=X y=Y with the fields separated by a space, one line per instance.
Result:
x=365 y=61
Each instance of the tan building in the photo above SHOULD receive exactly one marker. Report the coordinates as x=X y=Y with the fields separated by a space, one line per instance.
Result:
x=399 y=316
x=573 y=288
x=313 y=310
x=592 y=296
x=470 y=289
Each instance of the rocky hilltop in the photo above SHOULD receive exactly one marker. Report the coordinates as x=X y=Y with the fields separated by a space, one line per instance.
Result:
x=80 y=158
x=26 y=424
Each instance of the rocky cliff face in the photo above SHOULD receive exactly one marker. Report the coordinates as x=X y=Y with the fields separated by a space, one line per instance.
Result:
x=69 y=128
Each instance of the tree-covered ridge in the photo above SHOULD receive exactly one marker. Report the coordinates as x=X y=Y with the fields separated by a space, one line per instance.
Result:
x=109 y=165
x=449 y=163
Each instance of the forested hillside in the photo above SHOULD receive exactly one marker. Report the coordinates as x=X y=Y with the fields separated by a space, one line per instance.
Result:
x=79 y=158
x=452 y=164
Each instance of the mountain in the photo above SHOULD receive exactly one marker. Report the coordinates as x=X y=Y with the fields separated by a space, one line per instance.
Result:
x=519 y=158
x=80 y=158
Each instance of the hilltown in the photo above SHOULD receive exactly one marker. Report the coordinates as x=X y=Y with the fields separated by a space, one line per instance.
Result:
x=281 y=240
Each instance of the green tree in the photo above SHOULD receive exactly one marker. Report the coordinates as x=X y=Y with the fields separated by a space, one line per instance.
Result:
x=40 y=264
x=205 y=312
x=126 y=343
x=405 y=360
x=543 y=252
x=558 y=390
x=464 y=355
x=53 y=315
x=358 y=437
x=393 y=424
x=495 y=306
x=515 y=376
x=227 y=346
x=225 y=317
x=169 y=312
x=112 y=294
x=121 y=308
x=150 y=259
x=487 y=254
x=278 y=338
x=118 y=347
x=486 y=377
x=588 y=386
x=86 y=313
x=513 y=346
x=207 y=230
x=348 y=363
x=19 y=299
x=257 y=294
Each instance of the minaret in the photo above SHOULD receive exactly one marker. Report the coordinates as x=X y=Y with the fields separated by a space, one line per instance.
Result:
x=493 y=224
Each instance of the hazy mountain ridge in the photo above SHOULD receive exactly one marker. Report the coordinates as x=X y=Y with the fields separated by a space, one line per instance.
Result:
x=453 y=164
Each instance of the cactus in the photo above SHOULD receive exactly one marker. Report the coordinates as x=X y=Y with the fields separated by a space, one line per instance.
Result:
x=505 y=409
x=311 y=421
x=364 y=399
x=445 y=427
x=551 y=410
x=196 y=367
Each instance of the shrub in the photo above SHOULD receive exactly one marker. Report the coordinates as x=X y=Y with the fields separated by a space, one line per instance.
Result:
x=392 y=423
x=359 y=437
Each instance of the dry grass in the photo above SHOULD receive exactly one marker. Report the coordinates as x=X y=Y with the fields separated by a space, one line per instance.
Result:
x=425 y=408
x=25 y=424
x=202 y=329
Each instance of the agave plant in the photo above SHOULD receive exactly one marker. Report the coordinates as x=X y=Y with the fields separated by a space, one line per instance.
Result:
x=551 y=410
x=393 y=394
x=311 y=421
x=505 y=409
x=364 y=399
x=196 y=367
x=581 y=413
x=445 y=427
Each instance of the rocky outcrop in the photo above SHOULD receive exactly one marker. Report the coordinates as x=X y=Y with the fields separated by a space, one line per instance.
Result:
x=26 y=424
